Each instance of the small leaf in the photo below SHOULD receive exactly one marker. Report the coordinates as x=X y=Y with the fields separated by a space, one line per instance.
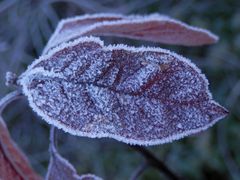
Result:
x=60 y=169
x=13 y=163
x=142 y=96
x=155 y=27
x=75 y=26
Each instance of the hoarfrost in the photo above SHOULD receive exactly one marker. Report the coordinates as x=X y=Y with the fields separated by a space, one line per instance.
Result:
x=153 y=27
x=142 y=96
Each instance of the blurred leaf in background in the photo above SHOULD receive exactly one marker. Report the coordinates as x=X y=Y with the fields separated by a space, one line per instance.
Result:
x=26 y=26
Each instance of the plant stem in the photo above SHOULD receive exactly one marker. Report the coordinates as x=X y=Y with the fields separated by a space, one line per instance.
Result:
x=9 y=98
x=52 y=138
x=155 y=162
x=137 y=173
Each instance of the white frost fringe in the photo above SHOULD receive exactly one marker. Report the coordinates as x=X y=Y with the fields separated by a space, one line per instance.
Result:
x=24 y=80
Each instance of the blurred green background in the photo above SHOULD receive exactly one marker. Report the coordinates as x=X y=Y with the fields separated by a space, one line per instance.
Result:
x=26 y=26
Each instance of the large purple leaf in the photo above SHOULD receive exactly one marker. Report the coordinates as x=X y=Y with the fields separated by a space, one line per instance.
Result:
x=155 y=27
x=139 y=96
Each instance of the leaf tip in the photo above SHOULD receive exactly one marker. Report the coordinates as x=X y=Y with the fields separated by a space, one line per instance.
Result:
x=213 y=38
x=216 y=112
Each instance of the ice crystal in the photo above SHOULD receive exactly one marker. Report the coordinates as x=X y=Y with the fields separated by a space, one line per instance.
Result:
x=155 y=27
x=139 y=96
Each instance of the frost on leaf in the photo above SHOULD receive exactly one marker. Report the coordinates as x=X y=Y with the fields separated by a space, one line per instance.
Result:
x=13 y=163
x=155 y=27
x=139 y=96
x=60 y=169
x=74 y=27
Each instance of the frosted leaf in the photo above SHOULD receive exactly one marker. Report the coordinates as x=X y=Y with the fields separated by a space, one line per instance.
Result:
x=89 y=177
x=155 y=27
x=77 y=25
x=60 y=169
x=142 y=96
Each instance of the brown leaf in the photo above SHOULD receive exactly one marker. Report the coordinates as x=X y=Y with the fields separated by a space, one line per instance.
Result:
x=13 y=163
x=76 y=25
x=60 y=169
x=142 y=96
x=155 y=27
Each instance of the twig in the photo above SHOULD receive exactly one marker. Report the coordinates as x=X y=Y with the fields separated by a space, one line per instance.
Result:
x=53 y=143
x=9 y=98
x=136 y=174
x=8 y=146
x=155 y=162
x=11 y=79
